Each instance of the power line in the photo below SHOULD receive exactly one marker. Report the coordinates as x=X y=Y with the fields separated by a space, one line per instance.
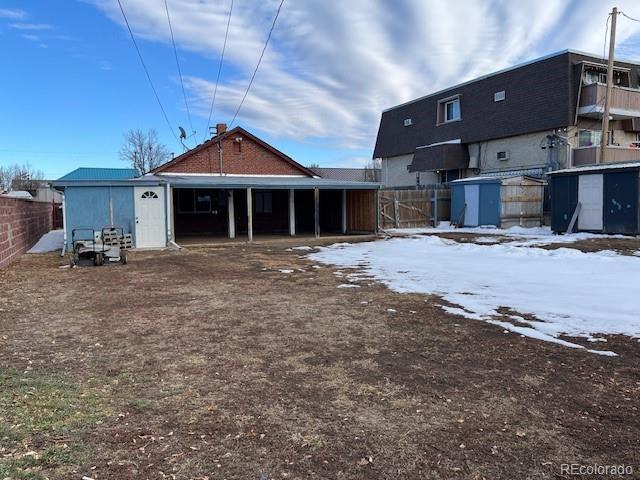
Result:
x=257 y=65
x=630 y=18
x=606 y=34
x=146 y=71
x=215 y=90
x=175 y=52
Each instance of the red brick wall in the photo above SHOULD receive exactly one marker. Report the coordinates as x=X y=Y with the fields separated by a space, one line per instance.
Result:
x=22 y=223
x=251 y=159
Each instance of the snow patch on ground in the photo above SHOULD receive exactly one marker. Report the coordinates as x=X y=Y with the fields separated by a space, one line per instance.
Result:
x=566 y=291
x=302 y=247
x=284 y=270
x=348 y=285
x=49 y=242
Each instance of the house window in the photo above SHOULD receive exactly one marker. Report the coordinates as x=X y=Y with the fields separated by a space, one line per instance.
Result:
x=449 y=110
x=196 y=201
x=203 y=202
x=408 y=122
x=149 y=194
x=589 y=138
x=503 y=156
x=499 y=96
x=237 y=145
x=264 y=201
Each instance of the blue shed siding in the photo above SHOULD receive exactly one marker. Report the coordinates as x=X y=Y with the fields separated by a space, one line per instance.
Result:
x=621 y=202
x=489 y=204
x=91 y=207
x=457 y=202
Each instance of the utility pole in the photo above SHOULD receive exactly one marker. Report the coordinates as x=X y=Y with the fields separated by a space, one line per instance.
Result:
x=604 y=141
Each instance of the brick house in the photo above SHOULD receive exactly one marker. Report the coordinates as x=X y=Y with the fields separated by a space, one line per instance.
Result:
x=231 y=185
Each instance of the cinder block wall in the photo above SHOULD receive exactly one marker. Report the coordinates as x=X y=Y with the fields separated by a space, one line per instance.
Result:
x=22 y=223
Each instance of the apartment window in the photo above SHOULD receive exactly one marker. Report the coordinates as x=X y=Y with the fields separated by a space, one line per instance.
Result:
x=452 y=110
x=264 y=201
x=449 y=109
x=589 y=138
x=499 y=96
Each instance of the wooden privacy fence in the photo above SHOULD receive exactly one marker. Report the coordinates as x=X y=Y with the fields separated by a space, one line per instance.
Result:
x=414 y=208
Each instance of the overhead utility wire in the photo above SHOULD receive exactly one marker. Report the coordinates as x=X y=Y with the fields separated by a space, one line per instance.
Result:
x=215 y=90
x=146 y=71
x=606 y=34
x=175 y=53
x=630 y=18
x=257 y=65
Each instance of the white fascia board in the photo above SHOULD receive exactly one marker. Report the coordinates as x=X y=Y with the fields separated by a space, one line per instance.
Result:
x=178 y=174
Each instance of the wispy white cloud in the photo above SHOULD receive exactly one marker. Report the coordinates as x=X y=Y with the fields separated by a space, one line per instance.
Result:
x=332 y=67
x=35 y=39
x=31 y=37
x=13 y=13
x=31 y=26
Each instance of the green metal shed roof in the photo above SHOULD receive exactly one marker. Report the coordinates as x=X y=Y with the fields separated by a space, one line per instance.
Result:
x=88 y=174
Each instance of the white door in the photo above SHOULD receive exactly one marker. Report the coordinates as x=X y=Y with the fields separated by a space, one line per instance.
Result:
x=472 y=200
x=150 y=217
x=590 y=197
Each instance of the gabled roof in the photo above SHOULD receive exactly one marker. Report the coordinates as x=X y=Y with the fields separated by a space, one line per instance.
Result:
x=87 y=173
x=219 y=138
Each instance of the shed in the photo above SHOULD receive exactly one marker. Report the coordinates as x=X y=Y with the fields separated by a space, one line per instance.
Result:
x=608 y=195
x=499 y=201
x=98 y=197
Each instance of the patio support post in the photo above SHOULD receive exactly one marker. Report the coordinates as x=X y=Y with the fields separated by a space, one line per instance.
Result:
x=316 y=211
x=249 y=216
x=292 y=212
x=344 y=212
x=232 y=215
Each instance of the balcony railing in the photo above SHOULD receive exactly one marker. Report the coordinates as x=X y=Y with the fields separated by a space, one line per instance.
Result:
x=625 y=102
x=591 y=155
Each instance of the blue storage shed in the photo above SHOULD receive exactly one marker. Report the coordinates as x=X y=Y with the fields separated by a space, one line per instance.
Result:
x=608 y=195
x=497 y=201
x=98 y=197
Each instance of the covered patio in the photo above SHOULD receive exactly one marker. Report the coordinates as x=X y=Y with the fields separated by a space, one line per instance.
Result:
x=209 y=208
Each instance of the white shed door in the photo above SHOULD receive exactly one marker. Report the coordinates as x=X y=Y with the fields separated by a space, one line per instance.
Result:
x=472 y=200
x=590 y=196
x=150 y=221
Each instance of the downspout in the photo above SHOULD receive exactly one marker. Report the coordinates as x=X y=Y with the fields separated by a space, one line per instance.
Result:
x=64 y=225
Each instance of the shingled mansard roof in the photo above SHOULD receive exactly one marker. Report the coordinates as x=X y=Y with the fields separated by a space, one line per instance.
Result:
x=540 y=95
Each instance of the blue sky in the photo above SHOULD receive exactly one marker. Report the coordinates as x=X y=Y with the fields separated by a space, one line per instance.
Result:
x=72 y=83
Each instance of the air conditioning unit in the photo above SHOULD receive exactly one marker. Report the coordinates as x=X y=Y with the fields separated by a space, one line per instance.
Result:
x=503 y=156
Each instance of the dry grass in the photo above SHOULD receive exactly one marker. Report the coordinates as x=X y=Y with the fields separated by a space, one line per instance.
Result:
x=212 y=363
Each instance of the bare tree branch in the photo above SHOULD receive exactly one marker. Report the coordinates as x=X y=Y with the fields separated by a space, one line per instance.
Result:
x=20 y=177
x=143 y=151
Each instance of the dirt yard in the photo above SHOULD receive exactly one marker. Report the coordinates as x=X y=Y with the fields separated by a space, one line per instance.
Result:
x=247 y=362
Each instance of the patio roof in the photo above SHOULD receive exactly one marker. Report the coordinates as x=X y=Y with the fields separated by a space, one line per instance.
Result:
x=227 y=181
